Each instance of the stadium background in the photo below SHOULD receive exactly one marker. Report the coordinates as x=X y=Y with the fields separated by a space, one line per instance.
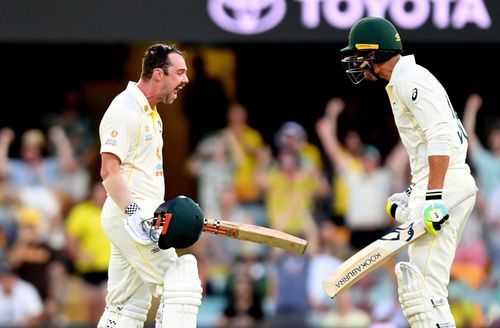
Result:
x=50 y=48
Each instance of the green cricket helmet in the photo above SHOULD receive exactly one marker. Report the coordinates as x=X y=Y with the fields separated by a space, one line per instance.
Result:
x=179 y=222
x=371 y=40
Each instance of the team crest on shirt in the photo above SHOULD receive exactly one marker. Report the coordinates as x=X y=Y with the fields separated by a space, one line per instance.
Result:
x=112 y=141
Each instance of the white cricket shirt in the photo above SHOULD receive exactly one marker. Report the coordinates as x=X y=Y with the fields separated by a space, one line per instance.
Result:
x=425 y=118
x=132 y=130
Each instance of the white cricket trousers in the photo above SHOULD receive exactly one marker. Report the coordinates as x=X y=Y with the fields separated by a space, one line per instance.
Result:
x=135 y=270
x=434 y=255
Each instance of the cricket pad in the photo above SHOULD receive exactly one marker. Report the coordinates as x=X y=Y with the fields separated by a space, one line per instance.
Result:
x=182 y=221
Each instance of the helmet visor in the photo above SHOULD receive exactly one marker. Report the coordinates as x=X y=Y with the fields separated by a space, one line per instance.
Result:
x=356 y=65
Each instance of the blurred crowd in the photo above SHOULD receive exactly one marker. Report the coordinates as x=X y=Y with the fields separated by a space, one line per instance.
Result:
x=53 y=253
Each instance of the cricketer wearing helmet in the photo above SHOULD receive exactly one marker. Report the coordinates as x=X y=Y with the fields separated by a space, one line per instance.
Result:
x=134 y=216
x=437 y=145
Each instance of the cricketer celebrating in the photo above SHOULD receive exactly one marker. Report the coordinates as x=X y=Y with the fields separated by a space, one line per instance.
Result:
x=437 y=146
x=132 y=172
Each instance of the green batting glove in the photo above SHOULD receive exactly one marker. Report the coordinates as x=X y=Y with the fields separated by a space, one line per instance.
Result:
x=435 y=211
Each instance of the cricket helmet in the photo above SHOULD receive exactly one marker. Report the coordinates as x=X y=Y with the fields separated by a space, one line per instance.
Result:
x=371 y=40
x=179 y=222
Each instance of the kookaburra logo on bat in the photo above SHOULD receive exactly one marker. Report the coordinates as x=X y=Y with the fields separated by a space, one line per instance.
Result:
x=396 y=233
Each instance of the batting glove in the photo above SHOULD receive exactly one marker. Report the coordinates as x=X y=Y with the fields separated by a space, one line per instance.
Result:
x=435 y=211
x=397 y=205
x=136 y=225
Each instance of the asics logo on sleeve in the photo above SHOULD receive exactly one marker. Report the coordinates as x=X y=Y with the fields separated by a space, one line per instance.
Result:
x=414 y=94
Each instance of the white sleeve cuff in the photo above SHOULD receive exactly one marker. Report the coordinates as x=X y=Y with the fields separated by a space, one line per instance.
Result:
x=439 y=147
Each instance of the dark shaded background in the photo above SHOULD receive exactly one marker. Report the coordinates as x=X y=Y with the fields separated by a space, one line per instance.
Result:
x=276 y=82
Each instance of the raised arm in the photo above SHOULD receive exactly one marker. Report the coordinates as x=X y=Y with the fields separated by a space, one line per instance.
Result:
x=64 y=152
x=397 y=162
x=472 y=106
x=264 y=160
x=326 y=129
x=235 y=149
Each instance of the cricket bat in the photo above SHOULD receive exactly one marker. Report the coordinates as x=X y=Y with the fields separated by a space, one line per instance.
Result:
x=374 y=255
x=256 y=234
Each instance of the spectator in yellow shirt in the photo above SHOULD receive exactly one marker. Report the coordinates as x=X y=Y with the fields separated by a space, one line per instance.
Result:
x=90 y=249
x=289 y=193
x=293 y=135
x=245 y=144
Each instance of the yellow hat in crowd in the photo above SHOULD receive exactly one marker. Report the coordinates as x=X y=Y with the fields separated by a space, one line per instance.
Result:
x=34 y=138
x=29 y=215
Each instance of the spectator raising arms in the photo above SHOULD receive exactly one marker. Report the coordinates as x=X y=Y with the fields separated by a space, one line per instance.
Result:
x=485 y=160
x=369 y=187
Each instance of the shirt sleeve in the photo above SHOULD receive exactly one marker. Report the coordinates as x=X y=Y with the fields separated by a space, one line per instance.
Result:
x=431 y=108
x=117 y=131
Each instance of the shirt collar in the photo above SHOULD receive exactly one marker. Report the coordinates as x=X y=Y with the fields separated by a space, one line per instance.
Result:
x=403 y=62
x=141 y=99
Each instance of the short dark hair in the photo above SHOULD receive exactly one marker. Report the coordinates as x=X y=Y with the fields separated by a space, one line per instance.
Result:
x=156 y=56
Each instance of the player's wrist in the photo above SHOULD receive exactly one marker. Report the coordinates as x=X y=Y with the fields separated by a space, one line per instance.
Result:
x=434 y=200
x=138 y=225
x=132 y=208
x=434 y=195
